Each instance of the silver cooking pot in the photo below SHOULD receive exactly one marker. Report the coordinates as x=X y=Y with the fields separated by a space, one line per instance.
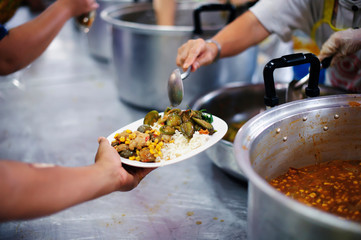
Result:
x=99 y=35
x=144 y=53
x=297 y=134
x=237 y=103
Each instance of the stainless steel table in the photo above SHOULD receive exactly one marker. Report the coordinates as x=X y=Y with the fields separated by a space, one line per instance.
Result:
x=68 y=100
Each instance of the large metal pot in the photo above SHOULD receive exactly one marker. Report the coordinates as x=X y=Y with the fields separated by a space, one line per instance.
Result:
x=144 y=54
x=296 y=134
x=237 y=103
x=234 y=103
x=99 y=35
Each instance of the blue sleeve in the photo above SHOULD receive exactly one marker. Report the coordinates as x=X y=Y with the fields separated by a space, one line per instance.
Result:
x=3 y=31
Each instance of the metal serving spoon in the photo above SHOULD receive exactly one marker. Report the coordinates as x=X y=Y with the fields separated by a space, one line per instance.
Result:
x=175 y=86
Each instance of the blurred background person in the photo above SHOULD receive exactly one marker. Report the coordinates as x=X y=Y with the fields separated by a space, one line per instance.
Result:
x=31 y=190
x=318 y=19
x=23 y=44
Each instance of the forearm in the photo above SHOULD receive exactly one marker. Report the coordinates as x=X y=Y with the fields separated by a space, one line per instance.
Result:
x=164 y=11
x=28 y=191
x=28 y=41
x=242 y=33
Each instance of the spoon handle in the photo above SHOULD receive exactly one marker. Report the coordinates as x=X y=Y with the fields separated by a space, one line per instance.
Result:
x=186 y=73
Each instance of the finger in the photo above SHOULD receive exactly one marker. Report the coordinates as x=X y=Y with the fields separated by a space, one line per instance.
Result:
x=336 y=58
x=142 y=173
x=103 y=142
x=138 y=173
x=194 y=52
x=104 y=148
x=181 y=55
x=101 y=139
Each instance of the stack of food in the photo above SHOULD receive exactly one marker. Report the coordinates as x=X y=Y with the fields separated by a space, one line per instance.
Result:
x=165 y=136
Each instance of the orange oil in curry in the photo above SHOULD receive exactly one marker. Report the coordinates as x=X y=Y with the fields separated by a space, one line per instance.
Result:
x=334 y=187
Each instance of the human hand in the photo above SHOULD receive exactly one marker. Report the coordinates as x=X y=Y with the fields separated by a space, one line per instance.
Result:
x=124 y=178
x=341 y=44
x=196 y=53
x=78 y=7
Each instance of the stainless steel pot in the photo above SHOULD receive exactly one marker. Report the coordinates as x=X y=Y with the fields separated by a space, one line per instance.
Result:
x=297 y=134
x=236 y=103
x=144 y=54
x=99 y=35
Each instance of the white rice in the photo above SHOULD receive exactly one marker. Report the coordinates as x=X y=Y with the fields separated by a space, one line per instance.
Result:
x=182 y=145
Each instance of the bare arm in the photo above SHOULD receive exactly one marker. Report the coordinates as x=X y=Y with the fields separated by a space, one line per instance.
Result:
x=28 y=41
x=28 y=191
x=242 y=33
x=165 y=11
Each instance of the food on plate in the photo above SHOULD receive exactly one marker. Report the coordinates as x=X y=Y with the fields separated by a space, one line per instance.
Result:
x=334 y=187
x=165 y=137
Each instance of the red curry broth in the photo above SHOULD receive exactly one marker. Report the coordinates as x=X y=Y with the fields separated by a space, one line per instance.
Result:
x=334 y=187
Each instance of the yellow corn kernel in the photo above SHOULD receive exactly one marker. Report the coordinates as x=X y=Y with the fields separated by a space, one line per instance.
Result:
x=156 y=141
x=151 y=151
x=137 y=158
x=127 y=142
x=132 y=158
x=116 y=135
x=128 y=131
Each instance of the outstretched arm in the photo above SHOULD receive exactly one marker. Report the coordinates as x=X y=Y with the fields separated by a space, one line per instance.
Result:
x=242 y=33
x=29 y=191
x=28 y=41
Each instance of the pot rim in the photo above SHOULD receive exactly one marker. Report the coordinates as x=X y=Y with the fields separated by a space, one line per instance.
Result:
x=117 y=10
x=250 y=131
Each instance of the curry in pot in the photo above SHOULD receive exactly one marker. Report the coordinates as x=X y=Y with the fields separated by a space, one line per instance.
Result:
x=334 y=187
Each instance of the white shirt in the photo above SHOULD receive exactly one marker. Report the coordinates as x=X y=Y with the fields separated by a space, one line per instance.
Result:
x=282 y=17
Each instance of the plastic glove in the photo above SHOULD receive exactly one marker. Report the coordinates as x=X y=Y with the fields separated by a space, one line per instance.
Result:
x=341 y=44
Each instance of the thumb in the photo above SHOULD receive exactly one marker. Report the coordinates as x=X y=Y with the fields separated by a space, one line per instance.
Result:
x=104 y=146
x=102 y=140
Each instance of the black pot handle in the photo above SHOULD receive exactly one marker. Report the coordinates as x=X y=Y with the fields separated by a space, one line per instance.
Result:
x=208 y=8
x=312 y=90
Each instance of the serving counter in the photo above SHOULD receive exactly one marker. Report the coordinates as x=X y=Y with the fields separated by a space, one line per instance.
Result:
x=54 y=111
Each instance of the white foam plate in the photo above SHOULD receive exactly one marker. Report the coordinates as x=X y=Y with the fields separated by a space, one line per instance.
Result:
x=219 y=125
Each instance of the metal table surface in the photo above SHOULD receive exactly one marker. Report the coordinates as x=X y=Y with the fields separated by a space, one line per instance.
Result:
x=67 y=102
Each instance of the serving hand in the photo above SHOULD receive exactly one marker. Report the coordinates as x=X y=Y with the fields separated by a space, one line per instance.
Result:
x=341 y=44
x=196 y=53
